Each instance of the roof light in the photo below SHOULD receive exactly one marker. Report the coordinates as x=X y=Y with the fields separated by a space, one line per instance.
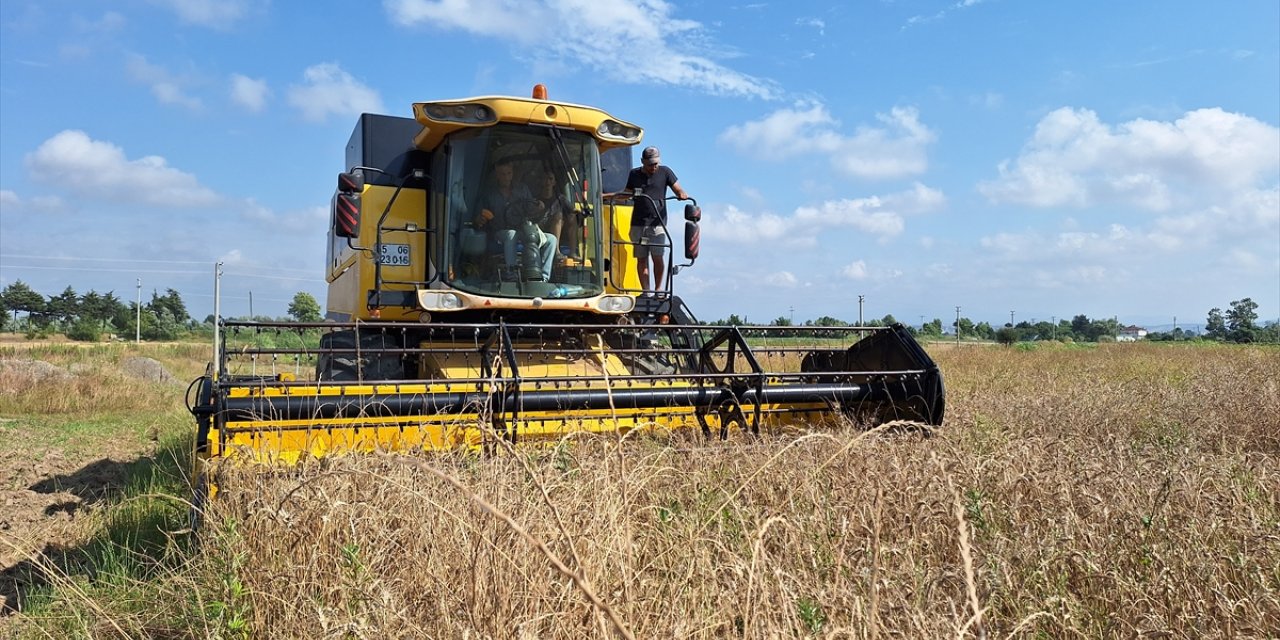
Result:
x=614 y=130
x=465 y=113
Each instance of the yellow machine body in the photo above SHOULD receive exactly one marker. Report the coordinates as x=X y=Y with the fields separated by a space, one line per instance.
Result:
x=450 y=324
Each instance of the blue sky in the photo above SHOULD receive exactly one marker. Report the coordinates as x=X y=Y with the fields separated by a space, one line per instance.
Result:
x=1051 y=159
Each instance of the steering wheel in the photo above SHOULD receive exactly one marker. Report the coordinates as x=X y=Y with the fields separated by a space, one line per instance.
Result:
x=525 y=210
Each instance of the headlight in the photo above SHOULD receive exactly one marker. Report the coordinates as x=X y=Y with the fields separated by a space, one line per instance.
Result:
x=617 y=304
x=469 y=113
x=614 y=130
x=439 y=300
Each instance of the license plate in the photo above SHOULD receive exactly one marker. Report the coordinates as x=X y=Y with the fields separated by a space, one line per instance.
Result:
x=394 y=255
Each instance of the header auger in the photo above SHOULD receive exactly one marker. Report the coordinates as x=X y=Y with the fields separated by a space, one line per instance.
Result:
x=449 y=324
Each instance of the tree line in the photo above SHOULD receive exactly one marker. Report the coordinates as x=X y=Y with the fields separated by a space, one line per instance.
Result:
x=91 y=316
x=1239 y=323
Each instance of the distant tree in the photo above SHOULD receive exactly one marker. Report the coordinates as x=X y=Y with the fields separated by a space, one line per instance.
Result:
x=965 y=327
x=64 y=307
x=781 y=321
x=110 y=308
x=1007 y=335
x=1270 y=332
x=1215 y=326
x=888 y=320
x=985 y=331
x=1044 y=331
x=20 y=297
x=1064 y=329
x=828 y=321
x=160 y=325
x=1080 y=326
x=171 y=302
x=1241 y=320
x=123 y=317
x=84 y=330
x=99 y=308
x=1099 y=329
x=932 y=327
x=91 y=308
x=304 y=308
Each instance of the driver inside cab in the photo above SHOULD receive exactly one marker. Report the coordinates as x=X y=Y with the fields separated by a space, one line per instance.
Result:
x=510 y=214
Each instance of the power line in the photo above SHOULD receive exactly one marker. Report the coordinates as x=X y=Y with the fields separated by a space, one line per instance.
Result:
x=165 y=271
x=32 y=266
x=140 y=260
x=259 y=275
x=78 y=258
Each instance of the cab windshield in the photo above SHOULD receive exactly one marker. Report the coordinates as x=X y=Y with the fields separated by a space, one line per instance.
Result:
x=520 y=215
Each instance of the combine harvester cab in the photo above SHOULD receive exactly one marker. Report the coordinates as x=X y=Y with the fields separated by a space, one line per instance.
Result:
x=456 y=317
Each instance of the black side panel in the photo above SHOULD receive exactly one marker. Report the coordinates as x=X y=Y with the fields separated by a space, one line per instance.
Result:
x=384 y=142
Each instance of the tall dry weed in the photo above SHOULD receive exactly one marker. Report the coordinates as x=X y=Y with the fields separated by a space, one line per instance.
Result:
x=1121 y=491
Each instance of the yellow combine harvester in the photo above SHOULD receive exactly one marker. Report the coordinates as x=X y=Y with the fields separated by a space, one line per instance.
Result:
x=450 y=324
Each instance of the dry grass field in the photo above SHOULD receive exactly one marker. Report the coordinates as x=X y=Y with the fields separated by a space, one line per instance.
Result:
x=1117 y=491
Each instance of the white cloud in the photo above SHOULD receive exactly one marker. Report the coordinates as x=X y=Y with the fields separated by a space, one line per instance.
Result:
x=308 y=219
x=855 y=271
x=1241 y=233
x=328 y=90
x=94 y=169
x=880 y=216
x=597 y=33
x=11 y=203
x=231 y=258
x=815 y=23
x=863 y=214
x=248 y=92
x=166 y=87
x=216 y=14
x=924 y=19
x=110 y=22
x=781 y=279
x=738 y=226
x=895 y=150
x=1074 y=159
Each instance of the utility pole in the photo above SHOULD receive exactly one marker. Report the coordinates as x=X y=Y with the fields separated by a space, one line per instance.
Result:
x=957 y=324
x=791 y=318
x=217 y=316
x=1011 y=318
x=922 y=322
x=860 y=300
x=137 y=321
x=250 y=306
x=1054 y=321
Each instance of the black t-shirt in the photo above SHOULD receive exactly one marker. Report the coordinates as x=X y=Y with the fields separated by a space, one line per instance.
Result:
x=654 y=186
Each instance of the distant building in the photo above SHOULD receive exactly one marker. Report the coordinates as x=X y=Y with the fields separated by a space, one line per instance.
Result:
x=1131 y=333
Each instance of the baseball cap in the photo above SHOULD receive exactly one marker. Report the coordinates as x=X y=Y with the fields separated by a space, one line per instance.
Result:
x=650 y=155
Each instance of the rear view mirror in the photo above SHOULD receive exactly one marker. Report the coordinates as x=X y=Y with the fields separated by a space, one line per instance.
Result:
x=346 y=205
x=692 y=233
x=352 y=182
